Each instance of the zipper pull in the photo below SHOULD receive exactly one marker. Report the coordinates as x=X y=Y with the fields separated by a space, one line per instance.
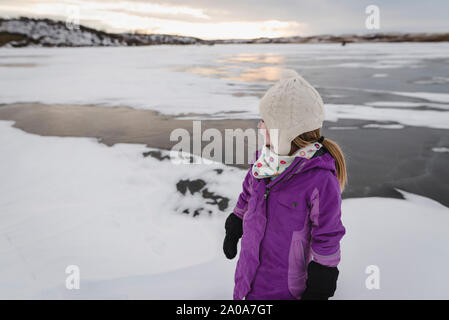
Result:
x=266 y=194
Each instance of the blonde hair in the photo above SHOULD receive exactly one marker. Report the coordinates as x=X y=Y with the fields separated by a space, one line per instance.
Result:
x=331 y=146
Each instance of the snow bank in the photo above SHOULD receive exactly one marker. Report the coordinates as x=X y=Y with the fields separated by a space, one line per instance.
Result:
x=111 y=211
x=380 y=75
x=383 y=126
x=119 y=217
x=419 y=118
x=405 y=239
x=440 y=149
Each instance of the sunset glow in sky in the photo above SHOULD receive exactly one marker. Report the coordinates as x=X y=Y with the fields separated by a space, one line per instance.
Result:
x=210 y=19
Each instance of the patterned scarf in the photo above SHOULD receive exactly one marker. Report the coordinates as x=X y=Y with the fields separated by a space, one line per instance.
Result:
x=271 y=165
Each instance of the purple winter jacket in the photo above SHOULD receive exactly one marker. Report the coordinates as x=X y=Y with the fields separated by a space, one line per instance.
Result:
x=287 y=223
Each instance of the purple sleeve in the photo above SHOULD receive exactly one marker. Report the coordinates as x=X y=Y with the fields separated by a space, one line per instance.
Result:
x=242 y=202
x=327 y=228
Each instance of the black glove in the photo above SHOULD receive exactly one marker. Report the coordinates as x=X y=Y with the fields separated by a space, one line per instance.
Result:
x=321 y=282
x=234 y=231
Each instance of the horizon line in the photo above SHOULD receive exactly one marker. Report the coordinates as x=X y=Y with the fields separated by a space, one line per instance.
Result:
x=137 y=32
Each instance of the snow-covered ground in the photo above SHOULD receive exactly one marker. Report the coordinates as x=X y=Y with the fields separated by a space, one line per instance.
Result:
x=226 y=81
x=118 y=216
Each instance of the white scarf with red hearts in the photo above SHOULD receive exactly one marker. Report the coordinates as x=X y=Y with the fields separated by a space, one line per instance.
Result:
x=271 y=165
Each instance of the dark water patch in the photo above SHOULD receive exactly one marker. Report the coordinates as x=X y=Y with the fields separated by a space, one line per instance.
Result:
x=192 y=185
x=157 y=155
x=196 y=212
x=420 y=108
x=379 y=161
x=221 y=202
x=211 y=198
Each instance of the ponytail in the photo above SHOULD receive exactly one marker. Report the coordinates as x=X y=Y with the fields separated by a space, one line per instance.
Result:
x=340 y=164
x=331 y=146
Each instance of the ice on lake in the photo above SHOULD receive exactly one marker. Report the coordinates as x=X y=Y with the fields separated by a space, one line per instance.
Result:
x=226 y=81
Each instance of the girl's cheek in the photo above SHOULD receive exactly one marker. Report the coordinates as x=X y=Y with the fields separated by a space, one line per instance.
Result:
x=267 y=137
x=264 y=131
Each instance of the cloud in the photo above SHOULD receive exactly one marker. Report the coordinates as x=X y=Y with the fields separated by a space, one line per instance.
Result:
x=238 y=18
x=125 y=16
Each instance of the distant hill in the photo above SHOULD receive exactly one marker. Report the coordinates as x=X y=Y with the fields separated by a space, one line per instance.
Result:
x=22 y=32
x=349 y=38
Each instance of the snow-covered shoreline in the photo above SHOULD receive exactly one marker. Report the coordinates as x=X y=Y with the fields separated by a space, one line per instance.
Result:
x=119 y=217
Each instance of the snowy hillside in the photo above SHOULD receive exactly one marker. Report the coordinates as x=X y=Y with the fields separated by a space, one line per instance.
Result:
x=23 y=31
x=48 y=33
x=122 y=215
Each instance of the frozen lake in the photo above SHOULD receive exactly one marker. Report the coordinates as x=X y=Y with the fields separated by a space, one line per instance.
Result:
x=399 y=84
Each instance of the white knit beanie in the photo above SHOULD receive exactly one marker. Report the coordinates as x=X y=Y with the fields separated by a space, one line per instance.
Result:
x=289 y=108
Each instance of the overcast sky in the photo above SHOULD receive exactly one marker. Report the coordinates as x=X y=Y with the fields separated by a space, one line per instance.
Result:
x=212 y=19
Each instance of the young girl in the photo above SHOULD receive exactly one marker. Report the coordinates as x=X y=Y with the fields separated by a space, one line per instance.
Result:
x=288 y=214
